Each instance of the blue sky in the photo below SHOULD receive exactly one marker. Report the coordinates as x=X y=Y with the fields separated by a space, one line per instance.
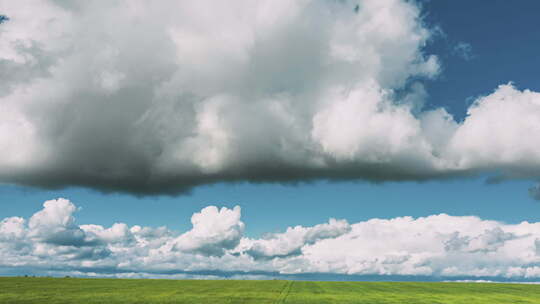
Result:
x=305 y=204
x=199 y=115
x=503 y=44
x=500 y=52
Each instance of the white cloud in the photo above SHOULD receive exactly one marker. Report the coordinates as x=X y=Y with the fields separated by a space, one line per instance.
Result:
x=158 y=98
x=214 y=231
x=55 y=224
x=161 y=97
x=439 y=245
x=12 y=228
x=189 y=87
x=118 y=233
x=492 y=134
x=291 y=242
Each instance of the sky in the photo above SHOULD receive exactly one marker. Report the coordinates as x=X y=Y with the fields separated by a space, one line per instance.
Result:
x=200 y=140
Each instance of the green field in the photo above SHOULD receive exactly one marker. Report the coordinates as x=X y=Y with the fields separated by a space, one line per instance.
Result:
x=71 y=290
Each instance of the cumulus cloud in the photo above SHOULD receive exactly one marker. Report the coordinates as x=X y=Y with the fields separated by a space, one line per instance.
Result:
x=490 y=240
x=160 y=97
x=438 y=246
x=55 y=224
x=214 y=231
x=292 y=241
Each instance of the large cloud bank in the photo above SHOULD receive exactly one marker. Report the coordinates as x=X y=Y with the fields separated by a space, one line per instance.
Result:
x=149 y=97
x=438 y=246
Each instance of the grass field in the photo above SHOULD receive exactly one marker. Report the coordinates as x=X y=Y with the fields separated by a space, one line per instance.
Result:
x=71 y=290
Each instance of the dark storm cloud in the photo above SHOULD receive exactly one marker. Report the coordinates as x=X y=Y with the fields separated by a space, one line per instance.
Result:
x=161 y=98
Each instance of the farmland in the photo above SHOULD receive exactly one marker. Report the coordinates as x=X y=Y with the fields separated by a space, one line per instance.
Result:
x=74 y=290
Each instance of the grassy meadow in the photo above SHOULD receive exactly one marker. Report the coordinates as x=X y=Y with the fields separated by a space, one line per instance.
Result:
x=73 y=290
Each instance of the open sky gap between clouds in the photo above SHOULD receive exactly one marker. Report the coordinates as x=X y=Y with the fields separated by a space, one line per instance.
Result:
x=147 y=98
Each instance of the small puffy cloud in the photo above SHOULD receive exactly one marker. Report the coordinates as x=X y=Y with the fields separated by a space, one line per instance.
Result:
x=214 y=231
x=55 y=224
x=12 y=228
x=508 y=113
x=464 y=50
